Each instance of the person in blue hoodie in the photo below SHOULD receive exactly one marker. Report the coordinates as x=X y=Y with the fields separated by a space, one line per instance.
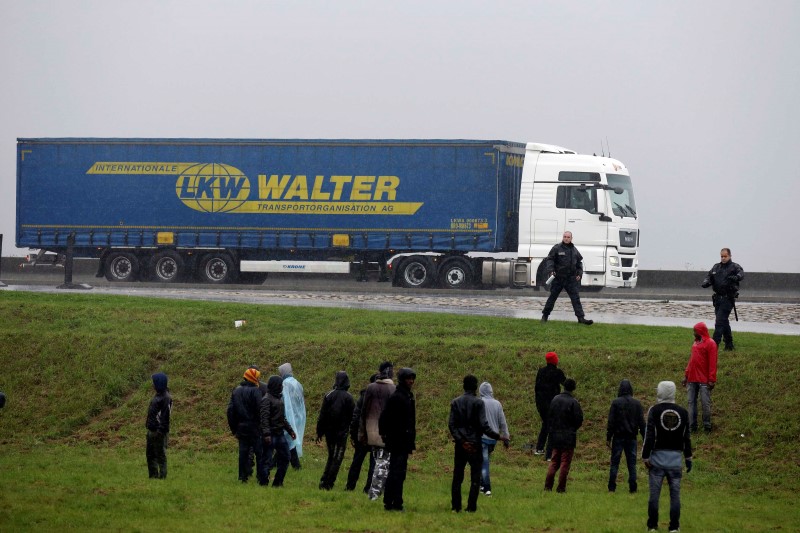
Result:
x=157 y=425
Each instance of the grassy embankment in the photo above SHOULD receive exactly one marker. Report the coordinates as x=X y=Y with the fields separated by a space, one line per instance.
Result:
x=76 y=372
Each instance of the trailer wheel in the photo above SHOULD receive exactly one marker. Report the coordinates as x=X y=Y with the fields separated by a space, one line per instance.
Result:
x=416 y=272
x=167 y=266
x=456 y=273
x=217 y=268
x=121 y=266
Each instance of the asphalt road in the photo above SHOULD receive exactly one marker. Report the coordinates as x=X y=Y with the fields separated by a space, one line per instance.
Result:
x=761 y=313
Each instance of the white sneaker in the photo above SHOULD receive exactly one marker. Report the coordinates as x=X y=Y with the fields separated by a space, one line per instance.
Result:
x=488 y=493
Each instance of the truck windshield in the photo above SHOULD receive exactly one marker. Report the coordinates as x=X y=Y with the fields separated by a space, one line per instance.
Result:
x=622 y=204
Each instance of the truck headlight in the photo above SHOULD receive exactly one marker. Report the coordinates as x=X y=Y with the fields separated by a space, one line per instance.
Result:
x=615 y=273
x=613 y=260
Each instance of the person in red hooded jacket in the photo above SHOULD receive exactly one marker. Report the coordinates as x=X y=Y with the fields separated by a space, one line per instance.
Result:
x=701 y=375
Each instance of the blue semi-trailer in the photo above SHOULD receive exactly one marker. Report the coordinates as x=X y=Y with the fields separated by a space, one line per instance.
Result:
x=453 y=213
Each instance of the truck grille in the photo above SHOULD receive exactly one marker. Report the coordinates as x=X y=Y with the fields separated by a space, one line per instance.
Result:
x=627 y=239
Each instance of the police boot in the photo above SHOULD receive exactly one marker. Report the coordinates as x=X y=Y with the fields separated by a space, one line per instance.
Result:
x=584 y=320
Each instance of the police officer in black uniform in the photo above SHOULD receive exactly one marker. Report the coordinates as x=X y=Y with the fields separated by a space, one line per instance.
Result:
x=565 y=263
x=724 y=278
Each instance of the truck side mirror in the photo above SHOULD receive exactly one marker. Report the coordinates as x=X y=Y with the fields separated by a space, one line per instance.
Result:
x=604 y=218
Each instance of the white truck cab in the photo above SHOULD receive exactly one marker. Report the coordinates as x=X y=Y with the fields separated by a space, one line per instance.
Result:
x=590 y=196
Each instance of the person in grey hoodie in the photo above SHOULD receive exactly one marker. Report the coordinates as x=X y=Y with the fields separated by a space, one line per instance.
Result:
x=666 y=438
x=497 y=421
x=625 y=420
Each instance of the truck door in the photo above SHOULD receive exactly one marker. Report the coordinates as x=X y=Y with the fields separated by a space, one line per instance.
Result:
x=580 y=202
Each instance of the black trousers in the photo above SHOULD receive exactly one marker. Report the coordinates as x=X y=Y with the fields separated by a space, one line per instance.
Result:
x=360 y=452
x=723 y=305
x=156 y=454
x=393 y=493
x=475 y=461
x=569 y=284
x=336 y=448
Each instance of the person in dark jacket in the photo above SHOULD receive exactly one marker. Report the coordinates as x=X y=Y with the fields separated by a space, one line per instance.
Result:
x=157 y=425
x=625 y=420
x=2 y=399
x=724 y=278
x=565 y=416
x=666 y=438
x=468 y=424
x=360 y=450
x=398 y=428
x=565 y=264
x=335 y=415
x=244 y=412
x=549 y=379
x=375 y=399
x=274 y=426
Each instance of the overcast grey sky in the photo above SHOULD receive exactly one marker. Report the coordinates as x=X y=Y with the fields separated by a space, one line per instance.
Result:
x=700 y=99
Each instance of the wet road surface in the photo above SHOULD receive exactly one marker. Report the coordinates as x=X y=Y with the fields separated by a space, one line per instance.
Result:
x=754 y=316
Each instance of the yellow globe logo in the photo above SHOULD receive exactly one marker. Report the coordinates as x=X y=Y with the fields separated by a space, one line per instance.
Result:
x=212 y=187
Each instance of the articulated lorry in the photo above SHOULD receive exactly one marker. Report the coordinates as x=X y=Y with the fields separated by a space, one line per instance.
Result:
x=448 y=213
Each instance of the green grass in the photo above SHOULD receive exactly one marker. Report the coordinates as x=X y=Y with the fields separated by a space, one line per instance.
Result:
x=76 y=369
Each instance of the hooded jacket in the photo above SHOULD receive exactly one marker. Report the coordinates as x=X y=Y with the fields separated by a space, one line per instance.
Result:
x=626 y=416
x=565 y=416
x=336 y=410
x=565 y=260
x=244 y=410
x=272 y=414
x=375 y=398
x=295 y=405
x=494 y=412
x=160 y=406
x=397 y=423
x=667 y=433
x=702 y=366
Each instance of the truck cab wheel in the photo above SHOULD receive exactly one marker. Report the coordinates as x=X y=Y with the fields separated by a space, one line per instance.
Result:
x=121 y=266
x=456 y=273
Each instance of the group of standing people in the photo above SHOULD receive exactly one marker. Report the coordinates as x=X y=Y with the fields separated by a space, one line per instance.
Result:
x=268 y=420
x=666 y=434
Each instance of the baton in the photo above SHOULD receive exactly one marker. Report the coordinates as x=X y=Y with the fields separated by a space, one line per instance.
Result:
x=735 y=314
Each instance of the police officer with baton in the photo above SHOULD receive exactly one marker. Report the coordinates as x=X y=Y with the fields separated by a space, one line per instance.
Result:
x=724 y=278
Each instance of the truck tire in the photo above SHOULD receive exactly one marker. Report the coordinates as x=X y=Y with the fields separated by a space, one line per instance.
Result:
x=456 y=273
x=416 y=272
x=121 y=266
x=167 y=267
x=217 y=268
